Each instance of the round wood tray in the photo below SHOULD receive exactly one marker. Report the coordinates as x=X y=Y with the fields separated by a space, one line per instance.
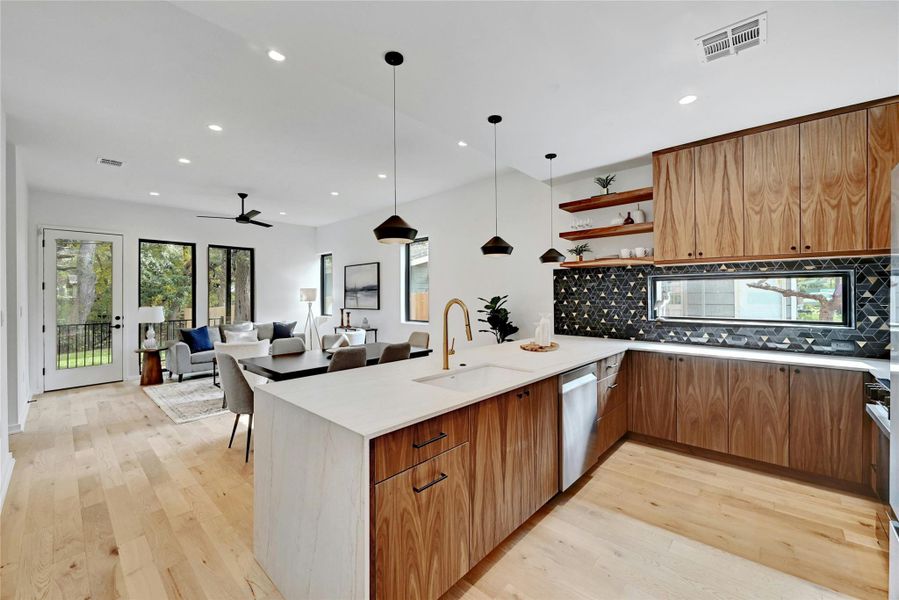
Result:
x=532 y=347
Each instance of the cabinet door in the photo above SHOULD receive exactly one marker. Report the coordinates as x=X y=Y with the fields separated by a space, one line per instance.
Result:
x=771 y=192
x=719 y=199
x=702 y=402
x=612 y=428
x=833 y=169
x=652 y=394
x=544 y=417
x=759 y=411
x=826 y=412
x=675 y=216
x=422 y=528
x=883 y=156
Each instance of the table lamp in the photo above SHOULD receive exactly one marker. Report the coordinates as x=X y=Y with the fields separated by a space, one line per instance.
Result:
x=150 y=315
x=309 y=295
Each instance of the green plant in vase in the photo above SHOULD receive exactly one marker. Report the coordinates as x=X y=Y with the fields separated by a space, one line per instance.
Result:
x=497 y=319
x=605 y=182
x=579 y=250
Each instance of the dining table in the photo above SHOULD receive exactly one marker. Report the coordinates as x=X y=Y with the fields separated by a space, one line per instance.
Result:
x=311 y=362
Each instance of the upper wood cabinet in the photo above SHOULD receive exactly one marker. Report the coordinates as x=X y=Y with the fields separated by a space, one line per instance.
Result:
x=883 y=156
x=718 y=172
x=771 y=192
x=833 y=169
x=702 y=402
x=759 y=411
x=675 y=227
x=826 y=414
x=652 y=395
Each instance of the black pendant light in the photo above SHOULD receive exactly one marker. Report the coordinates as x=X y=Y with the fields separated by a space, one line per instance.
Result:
x=552 y=255
x=495 y=246
x=394 y=230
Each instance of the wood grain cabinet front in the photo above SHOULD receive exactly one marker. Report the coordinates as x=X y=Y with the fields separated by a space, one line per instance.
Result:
x=883 y=156
x=422 y=528
x=675 y=209
x=759 y=411
x=702 y=402
x=652 y=395
x=404 y=448
x=719 y=199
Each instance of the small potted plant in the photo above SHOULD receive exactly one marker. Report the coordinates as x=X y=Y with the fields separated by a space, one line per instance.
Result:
x=605 y=182
x=579 y=250
x=497 y=319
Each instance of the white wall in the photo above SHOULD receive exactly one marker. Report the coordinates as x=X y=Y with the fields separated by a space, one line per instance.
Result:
x=6 y=460
x=457 y=223
x=285 y=257
x=18 y=381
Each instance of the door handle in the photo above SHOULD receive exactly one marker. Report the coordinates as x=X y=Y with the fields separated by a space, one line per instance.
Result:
x=116 y=326
x=436 y=438
x=419 y=490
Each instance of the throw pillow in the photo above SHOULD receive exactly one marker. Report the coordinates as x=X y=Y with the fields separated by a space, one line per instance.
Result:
x=197 y=339
x=283 y=330
x=238 y=337
x=341 y=342
x=265 y=330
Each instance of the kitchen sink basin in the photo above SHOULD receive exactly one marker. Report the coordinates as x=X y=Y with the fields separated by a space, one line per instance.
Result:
x=469 y=379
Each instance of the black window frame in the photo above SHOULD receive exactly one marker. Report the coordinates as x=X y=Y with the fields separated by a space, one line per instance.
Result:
x=228 y=278
x=407 y=268
x=321 y=283
x=193 y=271
x=848 y=322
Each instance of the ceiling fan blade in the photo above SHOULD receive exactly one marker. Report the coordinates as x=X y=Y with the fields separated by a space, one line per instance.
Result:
x=260 y=223
x=252 y=214
x=211 y=217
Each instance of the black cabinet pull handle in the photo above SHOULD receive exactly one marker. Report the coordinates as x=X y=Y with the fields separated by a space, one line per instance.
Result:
x=436 y=438
x=419 y=490
x=781 y=369
x=689 y=254
x=700 y=253
x=670 y=358
x=796 y=371
x=792 y=247
x=612 y=386
x=527 y=393
x=807 y=247
x=680 y=360
x=611 y=366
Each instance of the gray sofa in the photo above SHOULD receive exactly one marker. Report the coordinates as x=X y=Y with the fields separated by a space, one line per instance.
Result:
x=180 y=361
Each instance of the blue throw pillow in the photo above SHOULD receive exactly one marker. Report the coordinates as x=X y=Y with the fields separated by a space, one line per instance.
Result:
x=283 y=330
x=197 y=339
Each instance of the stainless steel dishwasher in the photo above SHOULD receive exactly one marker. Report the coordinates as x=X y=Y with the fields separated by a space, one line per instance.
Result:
x=579 y=433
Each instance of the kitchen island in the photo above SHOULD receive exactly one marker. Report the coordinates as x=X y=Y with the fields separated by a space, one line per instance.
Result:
x=313 y=464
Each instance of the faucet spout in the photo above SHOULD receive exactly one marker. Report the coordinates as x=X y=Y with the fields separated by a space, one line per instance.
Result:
x=447 y=351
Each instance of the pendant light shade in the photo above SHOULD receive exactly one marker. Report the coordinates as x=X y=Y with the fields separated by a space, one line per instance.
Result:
x=495 y=246
x=394 y=230
x=552 y=255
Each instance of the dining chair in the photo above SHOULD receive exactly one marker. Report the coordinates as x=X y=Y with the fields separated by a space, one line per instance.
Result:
x=420 y=339
x=394 y=352
x=240 y=350
x=348 y=358
x=329 y=339
x=239 y=394
x=288 y=346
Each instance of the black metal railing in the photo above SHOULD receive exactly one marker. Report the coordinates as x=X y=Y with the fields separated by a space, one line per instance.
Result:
x=83 y=344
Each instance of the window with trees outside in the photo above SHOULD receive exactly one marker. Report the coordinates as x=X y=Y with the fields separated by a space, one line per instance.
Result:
x=327 y=284
x=231 y=276
x=416 y=284
x=806 y=298
x=167 y=278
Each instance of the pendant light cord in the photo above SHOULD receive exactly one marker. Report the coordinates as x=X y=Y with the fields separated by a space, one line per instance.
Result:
x=495 y=188
x=394 y=139
x=550 y=202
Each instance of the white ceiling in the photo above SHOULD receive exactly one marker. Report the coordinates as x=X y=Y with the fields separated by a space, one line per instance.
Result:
x=597 y=83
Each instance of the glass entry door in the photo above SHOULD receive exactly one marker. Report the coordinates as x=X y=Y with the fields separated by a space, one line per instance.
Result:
x=82 y=308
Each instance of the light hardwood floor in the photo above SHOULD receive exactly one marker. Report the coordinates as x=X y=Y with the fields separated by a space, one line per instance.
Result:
x=110 y=499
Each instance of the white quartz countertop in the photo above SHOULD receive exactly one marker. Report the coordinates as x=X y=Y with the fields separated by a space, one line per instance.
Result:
x=379 y=399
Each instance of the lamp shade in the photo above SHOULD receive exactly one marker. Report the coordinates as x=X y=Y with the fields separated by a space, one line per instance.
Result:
x=150 y=314
x=308 y=294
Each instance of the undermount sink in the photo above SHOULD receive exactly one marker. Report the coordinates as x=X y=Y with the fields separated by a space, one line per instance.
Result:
x=468 y=379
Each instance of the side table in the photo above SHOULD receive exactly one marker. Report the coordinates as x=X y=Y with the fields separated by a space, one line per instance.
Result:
x=151 y=371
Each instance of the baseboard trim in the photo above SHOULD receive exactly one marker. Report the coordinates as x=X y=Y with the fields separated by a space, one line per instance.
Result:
x=9 y=464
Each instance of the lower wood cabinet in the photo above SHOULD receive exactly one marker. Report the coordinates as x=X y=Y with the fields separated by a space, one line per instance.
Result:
x=653 y=399
x=612 y=427
x=422 y=528
x=702 y=402
x=759 y=411
x=826 y=412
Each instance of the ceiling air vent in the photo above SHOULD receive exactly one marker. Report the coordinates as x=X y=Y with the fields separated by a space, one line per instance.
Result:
x=733 y=38
x=109 y=161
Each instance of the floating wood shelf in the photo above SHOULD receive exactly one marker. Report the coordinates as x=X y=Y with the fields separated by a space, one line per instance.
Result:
x=607 y=261
x=605 y=200
x=602 y=232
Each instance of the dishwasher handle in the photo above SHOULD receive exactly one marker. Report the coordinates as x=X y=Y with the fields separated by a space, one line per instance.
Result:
x=580 y=381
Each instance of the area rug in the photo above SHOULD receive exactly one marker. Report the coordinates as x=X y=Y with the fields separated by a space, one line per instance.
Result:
x=187 y=401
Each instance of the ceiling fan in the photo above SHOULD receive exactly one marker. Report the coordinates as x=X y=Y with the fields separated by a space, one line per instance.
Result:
x=244 y=218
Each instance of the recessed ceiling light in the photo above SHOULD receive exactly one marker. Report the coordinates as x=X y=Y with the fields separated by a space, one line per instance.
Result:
x=276 y=56
x=462 y=143
x=382 y=176
x=282 y=213
x=215 y=127
x=688 y=99
x=154 y=193
x=335 y=193
x=184 y=161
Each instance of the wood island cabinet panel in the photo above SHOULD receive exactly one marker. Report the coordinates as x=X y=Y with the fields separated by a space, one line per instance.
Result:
x=826 y=416
x=401 y=449
x=422 y=528
x=719 y=199
x=883 y=156
x=771 y=192
x=834 y=194
x=612 y=427
x=702 y=402
x=673 y=197
x=652 y=395
x=544 y=399
x=759 y=411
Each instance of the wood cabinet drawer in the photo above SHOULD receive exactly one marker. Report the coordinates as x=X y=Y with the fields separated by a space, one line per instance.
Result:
x=612 y=428
x=397 y=451
x=609 y=366
x=610 y=393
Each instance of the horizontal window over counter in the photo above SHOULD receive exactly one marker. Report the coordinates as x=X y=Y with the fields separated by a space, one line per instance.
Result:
x=817 y=298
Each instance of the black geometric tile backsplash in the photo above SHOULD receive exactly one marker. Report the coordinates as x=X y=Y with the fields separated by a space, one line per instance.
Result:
x=612 y=302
